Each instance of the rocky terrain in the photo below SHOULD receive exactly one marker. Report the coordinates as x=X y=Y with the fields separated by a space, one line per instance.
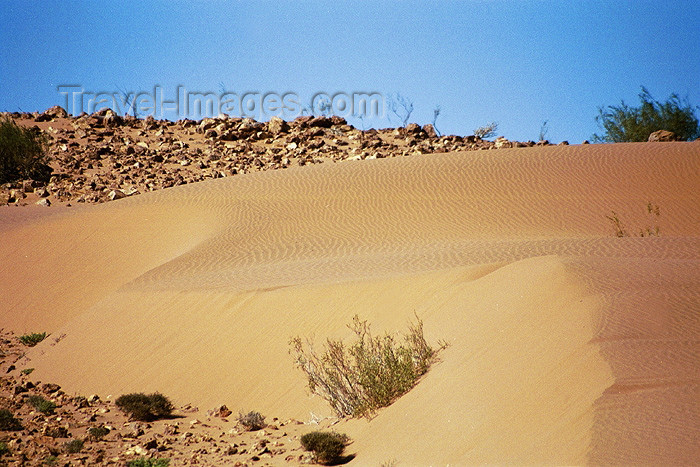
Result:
x=103 y=156
x=190 y=437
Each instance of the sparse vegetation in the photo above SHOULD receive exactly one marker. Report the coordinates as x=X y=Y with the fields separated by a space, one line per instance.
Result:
x=51 y=460
x=96 y=433
x=252 y=421
x=42 y=405
x=653 y=211
x=370 y=373
x=401 y=107
x=74 y=446
x=624 y=123
x=4 y=449
x=145 y=407
x=30 y=340
x=486 y=131
x=27 y=371
x=146 y=462
x=22 y=153
x=8 y=422
x=327 y=446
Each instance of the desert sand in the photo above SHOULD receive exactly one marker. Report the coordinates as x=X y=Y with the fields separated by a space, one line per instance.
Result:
x=568 y=345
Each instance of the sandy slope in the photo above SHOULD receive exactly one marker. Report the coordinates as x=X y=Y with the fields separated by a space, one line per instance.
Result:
x=568 y=345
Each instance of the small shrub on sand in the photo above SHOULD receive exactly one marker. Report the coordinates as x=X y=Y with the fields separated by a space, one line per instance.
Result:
x=252 y=421
x=327 y=446
x=370 y=373
x=74 y=446
x=8 y=422
x=30 y=340
x=42 y=405
x=96 y=433
x=146 y=462
x=145 y=407
x=4 y=449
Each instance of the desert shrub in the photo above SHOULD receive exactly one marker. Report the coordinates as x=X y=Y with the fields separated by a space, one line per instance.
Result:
x=42 y=405
x=4 y=449
x=370 y=373
x=327 y=446
x=624 y=123
x=51 y=459
x=145 y=407
x=252 y=421
x=486 y=131
x=8 y=422
x=30 y=340
x=146 y=462
x=22 y=153
x=74 y=446
x=96 y=433
x=653 y=211
x=27 y=371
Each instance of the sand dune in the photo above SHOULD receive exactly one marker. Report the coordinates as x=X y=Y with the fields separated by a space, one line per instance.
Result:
x=568 y=345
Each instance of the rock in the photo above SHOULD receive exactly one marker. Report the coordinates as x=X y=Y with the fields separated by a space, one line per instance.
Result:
x=662 y=136
x=413 y=128
x=133 y=430
x=221 y=411
x=430 y=131
x=501 y=142
x=51 y=113
x=44 y=202
x=564 y=143
x=42 y=192
x=50 y=388
x=116 y=194
x=16 y=195
x=276 y=126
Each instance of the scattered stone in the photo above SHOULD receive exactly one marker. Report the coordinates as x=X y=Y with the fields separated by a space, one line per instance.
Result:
x=662 y=136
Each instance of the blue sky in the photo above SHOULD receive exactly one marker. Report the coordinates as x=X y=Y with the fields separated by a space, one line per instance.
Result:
x=518 y=63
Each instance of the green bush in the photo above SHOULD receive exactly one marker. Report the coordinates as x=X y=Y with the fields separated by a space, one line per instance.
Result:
x=145 y=462
x=370 y=373
x=625 y=124
x=30 y=340
x=252 y=421
x=74 y=446
x=22 y=153
x=42 y=405
x=4 y=449
x=145 y=407
x=327 y=446
x=96 y=433
x=8 y=422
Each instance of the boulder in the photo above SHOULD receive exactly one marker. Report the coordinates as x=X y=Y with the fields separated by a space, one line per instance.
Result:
x=430 y=131
x=51 y=113
x=276 y=126
x=661 y=136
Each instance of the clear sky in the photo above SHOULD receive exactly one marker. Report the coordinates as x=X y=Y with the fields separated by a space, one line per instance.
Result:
x=518 y=63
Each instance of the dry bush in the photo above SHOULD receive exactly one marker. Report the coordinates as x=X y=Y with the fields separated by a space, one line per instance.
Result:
x=370 y=373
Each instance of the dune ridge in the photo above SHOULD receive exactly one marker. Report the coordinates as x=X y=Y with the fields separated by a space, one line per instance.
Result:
x=568 y=345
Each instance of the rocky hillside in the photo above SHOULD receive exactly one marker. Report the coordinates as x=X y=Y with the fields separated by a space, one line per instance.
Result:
x=88 y=430
x=103 y=156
